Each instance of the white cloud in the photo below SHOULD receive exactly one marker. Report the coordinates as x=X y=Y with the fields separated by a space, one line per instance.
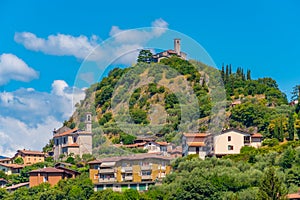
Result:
x=123 y=41
x=15 y=134
x=28 y=116
x=14 y=68
x=60 y=44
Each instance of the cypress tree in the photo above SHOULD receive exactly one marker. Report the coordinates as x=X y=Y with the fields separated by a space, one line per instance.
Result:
x=291 y=126
x=248 y=75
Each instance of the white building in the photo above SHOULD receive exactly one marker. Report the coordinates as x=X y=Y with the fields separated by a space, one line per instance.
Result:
x=73 y=141
x=228 y=142
x=231 y=141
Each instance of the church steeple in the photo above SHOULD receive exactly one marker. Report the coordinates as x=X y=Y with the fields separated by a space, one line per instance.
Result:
x=88 y=122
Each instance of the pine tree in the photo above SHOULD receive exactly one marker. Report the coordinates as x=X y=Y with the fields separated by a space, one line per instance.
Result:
x=271 y=187
x=291 y=126
x=145 y=56
x=230 y=70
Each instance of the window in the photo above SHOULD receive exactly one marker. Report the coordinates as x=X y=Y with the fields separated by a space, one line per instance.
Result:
x=74 y=139
x=230 y=147
x=65 y=141
x=45 y=178
x=246 y=139
x=229 y=138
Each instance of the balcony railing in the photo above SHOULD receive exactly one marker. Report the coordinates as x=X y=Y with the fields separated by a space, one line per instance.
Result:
x=104 y=171
x=146 y=167
x=128 y=178
x=105 y=180
x=146 y=177
x=126 y=169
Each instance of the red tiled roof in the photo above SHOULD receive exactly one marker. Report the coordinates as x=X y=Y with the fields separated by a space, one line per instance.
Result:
x=73 y=145
x=193 y=135
x=162 y=143
x=196 y=144
x=13 y=166
x=135 y=145
x=293 y=196
x=29 y=152
x=65 y=133
x=257 y=135
x=47 y=170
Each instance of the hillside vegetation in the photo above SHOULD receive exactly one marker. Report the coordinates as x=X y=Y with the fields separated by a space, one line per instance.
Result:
x=123 y=108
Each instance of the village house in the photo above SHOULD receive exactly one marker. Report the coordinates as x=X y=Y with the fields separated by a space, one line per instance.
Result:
x=228 y=142
x=136 y=171
x=232 y=140
x=194 y=143
x=17 y=186
x=159 y=148
x=9 y=169
x=6 y=160
x=50 y=175
x=30 y=157
x=73 y=141
x=167 y=54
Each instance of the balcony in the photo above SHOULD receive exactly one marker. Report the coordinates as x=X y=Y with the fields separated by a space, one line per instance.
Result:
x=128 y=178
x=107 y=180
x=146 y=167
x=105 y=171
x=126 y=169
x=146 y=177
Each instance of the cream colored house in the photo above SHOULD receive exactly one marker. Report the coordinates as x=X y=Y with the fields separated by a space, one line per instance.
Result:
x=228 y=142
x=232 y=140
x=73 y=141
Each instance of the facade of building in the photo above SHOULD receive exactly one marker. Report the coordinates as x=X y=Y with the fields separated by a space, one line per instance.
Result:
x=50 y=175
x=231 y=141
x=9 y=169
x=6 y=160
x=137 y=171
x=228 y=142
x=30 y=157
x=167 y=54
x=17 y=186
x=194 y=143
x=73 y=141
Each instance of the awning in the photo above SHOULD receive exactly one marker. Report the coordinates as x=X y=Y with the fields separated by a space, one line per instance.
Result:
x=108 y=164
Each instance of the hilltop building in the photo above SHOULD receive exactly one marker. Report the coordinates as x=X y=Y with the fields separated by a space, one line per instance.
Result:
x=228 y=142
x=73 y=141
x=136 y=171
x=171 y=52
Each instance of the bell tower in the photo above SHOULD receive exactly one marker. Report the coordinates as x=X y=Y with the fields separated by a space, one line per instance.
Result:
x=177 y=46
x=88 y=122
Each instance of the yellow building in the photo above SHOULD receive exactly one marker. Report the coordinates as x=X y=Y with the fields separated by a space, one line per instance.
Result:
x=30 y=157
x=136 y=171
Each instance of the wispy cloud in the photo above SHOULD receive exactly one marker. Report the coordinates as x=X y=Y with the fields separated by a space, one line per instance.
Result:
x=14 y=68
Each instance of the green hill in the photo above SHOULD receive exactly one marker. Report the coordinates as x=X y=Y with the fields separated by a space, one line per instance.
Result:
x=145 y=100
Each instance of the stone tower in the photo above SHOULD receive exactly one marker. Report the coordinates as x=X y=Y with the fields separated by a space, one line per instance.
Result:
x=177 y=46
x=88 y=122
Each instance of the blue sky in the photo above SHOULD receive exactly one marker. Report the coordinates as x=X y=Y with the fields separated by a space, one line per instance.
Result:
x=37 y=70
